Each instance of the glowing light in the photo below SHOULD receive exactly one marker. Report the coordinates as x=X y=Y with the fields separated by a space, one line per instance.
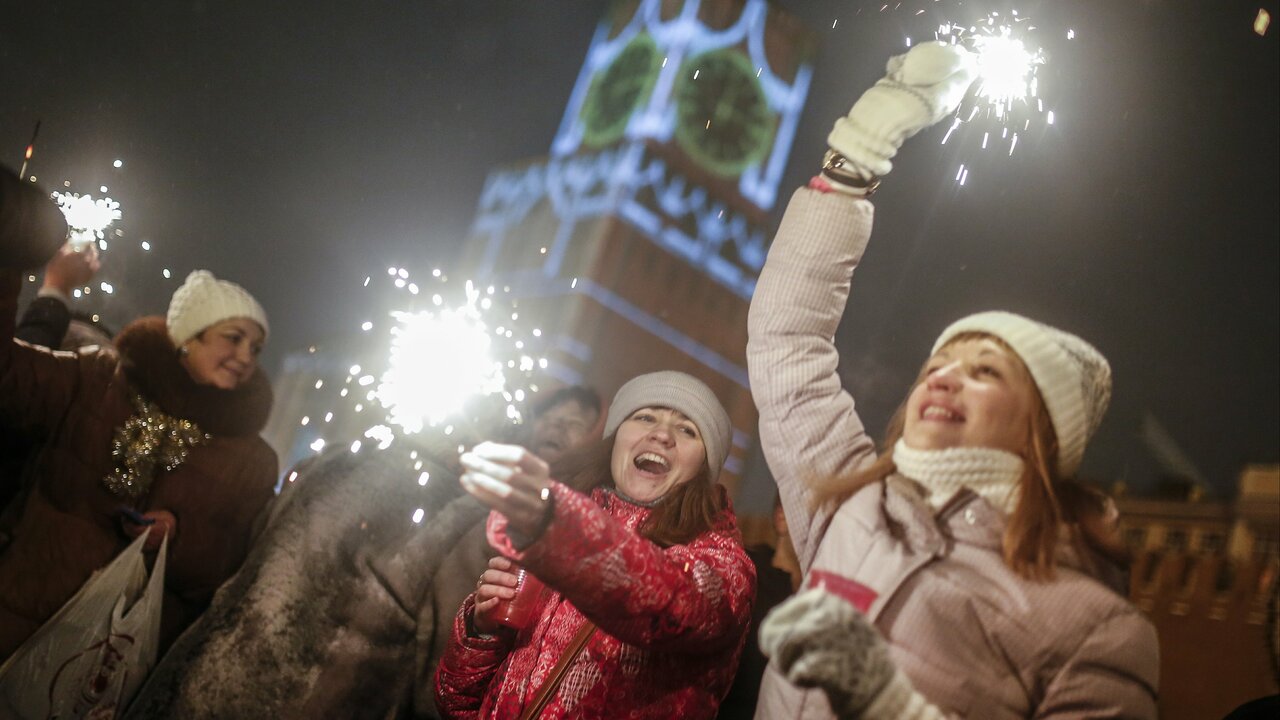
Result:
x=417 y=516
x=318 y=445
x=146 y=245
x=1004 y=67
x=382 y=434
x=355 y=446
x=438 y=361
x=87 y=219
x=166 y=273
x=118 y=164
x=423 y=478
x=1262 y=22
x=107 y=288
x=1006 y=94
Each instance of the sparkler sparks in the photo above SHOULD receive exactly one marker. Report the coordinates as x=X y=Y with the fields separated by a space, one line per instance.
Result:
x=1005 y=67
x=87 y=218
x=1006 y=94
x=442 y=362
x=438 y=361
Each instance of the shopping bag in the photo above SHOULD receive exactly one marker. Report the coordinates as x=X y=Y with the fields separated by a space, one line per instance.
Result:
x=91 y=657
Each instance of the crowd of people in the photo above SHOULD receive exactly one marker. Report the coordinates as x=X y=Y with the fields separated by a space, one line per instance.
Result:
x=957 y=570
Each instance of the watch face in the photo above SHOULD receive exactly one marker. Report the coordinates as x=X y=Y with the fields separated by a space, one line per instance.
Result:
x=617 y=92
x=723 y=119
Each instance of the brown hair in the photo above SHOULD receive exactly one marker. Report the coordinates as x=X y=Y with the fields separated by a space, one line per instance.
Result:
x=684 y=513
x=1032 y=532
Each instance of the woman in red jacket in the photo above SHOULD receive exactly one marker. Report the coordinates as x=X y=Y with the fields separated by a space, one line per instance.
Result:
x=650 y=556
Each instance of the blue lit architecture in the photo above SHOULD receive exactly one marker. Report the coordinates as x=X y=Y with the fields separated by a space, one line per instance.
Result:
x=637 y=242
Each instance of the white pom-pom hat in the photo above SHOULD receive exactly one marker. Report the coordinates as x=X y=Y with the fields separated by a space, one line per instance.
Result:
x=1073 y=377
x=203 y=300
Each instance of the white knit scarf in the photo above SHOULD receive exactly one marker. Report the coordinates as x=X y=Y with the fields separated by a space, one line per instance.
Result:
x=992 y=474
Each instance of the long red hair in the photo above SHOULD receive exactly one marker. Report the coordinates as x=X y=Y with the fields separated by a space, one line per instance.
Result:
x=1032 y=533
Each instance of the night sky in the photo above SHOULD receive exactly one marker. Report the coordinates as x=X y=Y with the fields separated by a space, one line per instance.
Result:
x=296 y=147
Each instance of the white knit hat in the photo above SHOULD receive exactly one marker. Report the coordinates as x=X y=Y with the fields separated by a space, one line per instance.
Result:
x=203 y=300
x=1073 y=377
x=678 y=391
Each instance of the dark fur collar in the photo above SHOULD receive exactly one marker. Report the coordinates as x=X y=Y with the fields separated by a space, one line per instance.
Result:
x=150 y=362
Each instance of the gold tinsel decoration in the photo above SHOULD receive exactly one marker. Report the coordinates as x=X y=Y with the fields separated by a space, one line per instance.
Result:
x=148 y=440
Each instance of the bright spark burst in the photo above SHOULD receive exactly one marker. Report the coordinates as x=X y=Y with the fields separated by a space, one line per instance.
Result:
x=439 y=360
x=87 y=218
x=1005 y=67
x=424 y=370
x=1006 y=100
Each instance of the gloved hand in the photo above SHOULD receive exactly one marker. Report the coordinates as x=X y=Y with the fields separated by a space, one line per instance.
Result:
x=919 y=88
x=821 y=641
x=32 y=227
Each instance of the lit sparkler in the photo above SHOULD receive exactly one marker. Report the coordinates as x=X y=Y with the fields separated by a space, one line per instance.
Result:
x=429 y=365
x=1006 y=99
x=439 y=360
x=87 y=219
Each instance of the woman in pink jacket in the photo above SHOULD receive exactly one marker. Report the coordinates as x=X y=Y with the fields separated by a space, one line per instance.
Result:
x=646 y=572
x=951 y=575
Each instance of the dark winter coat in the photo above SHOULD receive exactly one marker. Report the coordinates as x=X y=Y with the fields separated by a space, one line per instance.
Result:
x=69 y=525
x=671 y=621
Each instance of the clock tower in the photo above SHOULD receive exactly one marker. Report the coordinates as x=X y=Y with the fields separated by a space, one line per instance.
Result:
x=635 y=245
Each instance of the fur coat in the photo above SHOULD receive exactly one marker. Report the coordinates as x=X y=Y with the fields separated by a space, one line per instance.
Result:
x=333 y=605
x=69 y=524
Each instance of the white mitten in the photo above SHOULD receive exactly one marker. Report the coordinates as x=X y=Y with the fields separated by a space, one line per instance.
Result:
x=919 y=88
x=821 y=641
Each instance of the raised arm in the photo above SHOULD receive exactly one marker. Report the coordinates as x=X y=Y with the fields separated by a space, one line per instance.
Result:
x=35 y=385
x=808 y=426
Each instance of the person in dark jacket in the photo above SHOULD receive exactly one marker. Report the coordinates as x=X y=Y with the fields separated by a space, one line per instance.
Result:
x=49 y=322
x=165 y=425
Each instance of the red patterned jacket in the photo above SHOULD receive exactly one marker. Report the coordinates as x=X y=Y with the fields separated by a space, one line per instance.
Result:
x=672 y=621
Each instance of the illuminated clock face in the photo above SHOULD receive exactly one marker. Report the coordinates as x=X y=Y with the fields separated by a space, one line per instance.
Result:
x=617 y=92
x=723 y=119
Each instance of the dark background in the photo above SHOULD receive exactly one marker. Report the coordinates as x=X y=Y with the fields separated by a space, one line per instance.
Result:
x=296 y=147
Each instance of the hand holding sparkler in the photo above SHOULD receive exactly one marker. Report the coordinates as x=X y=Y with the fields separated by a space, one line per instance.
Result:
x=513 y=481
x=72 y=267
x=920 y=88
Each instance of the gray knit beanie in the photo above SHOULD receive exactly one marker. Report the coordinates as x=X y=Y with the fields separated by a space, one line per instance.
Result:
x=1073 y=377
x=678 y=391
x=204 y=300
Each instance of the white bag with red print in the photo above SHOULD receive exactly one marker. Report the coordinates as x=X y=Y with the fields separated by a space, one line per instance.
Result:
x=91 y=657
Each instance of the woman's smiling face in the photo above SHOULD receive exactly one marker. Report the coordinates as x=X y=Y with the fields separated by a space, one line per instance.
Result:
x=225 y=354
x=975 y=393
x=654 y=450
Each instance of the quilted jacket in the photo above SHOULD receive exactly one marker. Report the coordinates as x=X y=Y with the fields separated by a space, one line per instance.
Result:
x=671 y=621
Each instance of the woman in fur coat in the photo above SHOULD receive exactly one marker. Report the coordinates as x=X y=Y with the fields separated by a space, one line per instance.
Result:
x=165 y=426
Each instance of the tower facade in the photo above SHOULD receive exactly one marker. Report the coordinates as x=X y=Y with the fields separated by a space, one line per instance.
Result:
x=635 y=244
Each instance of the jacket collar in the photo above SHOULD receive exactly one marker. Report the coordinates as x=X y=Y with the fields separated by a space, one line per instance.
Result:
x=149 y=361
x=966 y=518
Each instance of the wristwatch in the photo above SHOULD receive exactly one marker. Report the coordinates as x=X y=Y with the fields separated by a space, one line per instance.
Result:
x=847 y=178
